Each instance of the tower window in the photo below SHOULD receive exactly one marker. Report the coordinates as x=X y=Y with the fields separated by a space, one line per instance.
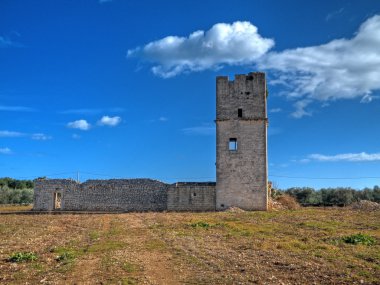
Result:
x=240 y=113
x=232 y=144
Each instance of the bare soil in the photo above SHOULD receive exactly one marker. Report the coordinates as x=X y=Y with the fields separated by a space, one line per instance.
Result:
x=303 y=246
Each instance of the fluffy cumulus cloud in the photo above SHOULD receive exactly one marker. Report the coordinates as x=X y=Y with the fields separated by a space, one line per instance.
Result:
x=5 y=150
x=362 y=156
x=79 y=124
x=340 y=69
x=109 y=121
x=232 y=44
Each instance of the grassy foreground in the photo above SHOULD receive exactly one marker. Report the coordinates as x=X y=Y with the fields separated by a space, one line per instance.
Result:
x=305 y=246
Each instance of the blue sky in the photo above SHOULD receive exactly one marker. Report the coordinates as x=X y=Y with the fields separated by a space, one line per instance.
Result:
x=127 y=88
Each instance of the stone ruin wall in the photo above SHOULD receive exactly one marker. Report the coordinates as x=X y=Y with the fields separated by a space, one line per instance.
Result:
x=123 y=195
x=192 y=196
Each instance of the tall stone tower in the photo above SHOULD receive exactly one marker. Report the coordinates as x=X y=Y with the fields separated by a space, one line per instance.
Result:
x=241 y=142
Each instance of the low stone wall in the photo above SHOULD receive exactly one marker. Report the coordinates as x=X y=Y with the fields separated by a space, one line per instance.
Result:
x=191 y=196
x=123 y=195
x=102 y=195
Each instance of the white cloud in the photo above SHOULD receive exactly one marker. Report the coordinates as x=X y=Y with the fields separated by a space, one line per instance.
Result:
x=40 y=137
x=204 y=130
x=5 y=150
x=368 y=98
x=275 y=110
x=36 y=136
x=300 y=109
x=340 y=69
x=16 y=108
x=163 y=119
x=79 y=124
x=91 y=111
x=109 y=121
x=6 y=42
x=238 y=43
x=81 y=111
x=355 y=157
x=11 y=134
x=334 y=14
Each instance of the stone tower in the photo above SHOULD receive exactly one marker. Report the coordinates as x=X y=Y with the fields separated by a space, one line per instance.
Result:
x=241 y=142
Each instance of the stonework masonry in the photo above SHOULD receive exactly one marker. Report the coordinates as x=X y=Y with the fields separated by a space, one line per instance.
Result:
x=241 y=166
x=123 y=195
x=191 y=196
x=241 y=142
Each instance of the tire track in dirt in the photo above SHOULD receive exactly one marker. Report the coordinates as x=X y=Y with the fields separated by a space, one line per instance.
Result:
x=157 y=265
x=87 y=268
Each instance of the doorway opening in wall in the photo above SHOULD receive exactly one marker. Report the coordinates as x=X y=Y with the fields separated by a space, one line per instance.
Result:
x=57 y=200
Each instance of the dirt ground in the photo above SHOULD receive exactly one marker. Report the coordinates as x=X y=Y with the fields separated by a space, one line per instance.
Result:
x=285 y=247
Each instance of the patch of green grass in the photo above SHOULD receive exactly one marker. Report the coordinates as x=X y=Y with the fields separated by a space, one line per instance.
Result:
x=106 y=245
x=65 y=250
x=22 y=256
x=200 y=224
x=237 y=229
x=129 y=281
x=94 y=235
x=38 y=267
x=155 y=244
x=66 y=257
x=129 y=267
x=359 y=239
x=329 y=226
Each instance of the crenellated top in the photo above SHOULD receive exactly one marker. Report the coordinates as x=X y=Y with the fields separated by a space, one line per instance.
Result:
x=243 y=98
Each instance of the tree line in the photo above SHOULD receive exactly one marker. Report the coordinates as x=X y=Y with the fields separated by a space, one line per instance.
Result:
x=14 y=191
x=339 y=196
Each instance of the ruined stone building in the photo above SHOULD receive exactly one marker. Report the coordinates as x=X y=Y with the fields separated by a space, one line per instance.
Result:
x=241 y=166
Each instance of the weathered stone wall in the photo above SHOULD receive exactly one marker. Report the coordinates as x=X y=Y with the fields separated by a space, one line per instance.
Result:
x=102 y=195
x=191 y=196
x=124 y=195
x=44 y=190
x=241 y=174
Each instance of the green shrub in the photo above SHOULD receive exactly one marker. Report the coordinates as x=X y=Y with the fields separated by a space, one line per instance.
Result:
x=22 y=256
x=359 y=239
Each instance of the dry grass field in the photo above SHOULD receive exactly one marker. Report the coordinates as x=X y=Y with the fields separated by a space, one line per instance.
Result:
x=304 y=246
